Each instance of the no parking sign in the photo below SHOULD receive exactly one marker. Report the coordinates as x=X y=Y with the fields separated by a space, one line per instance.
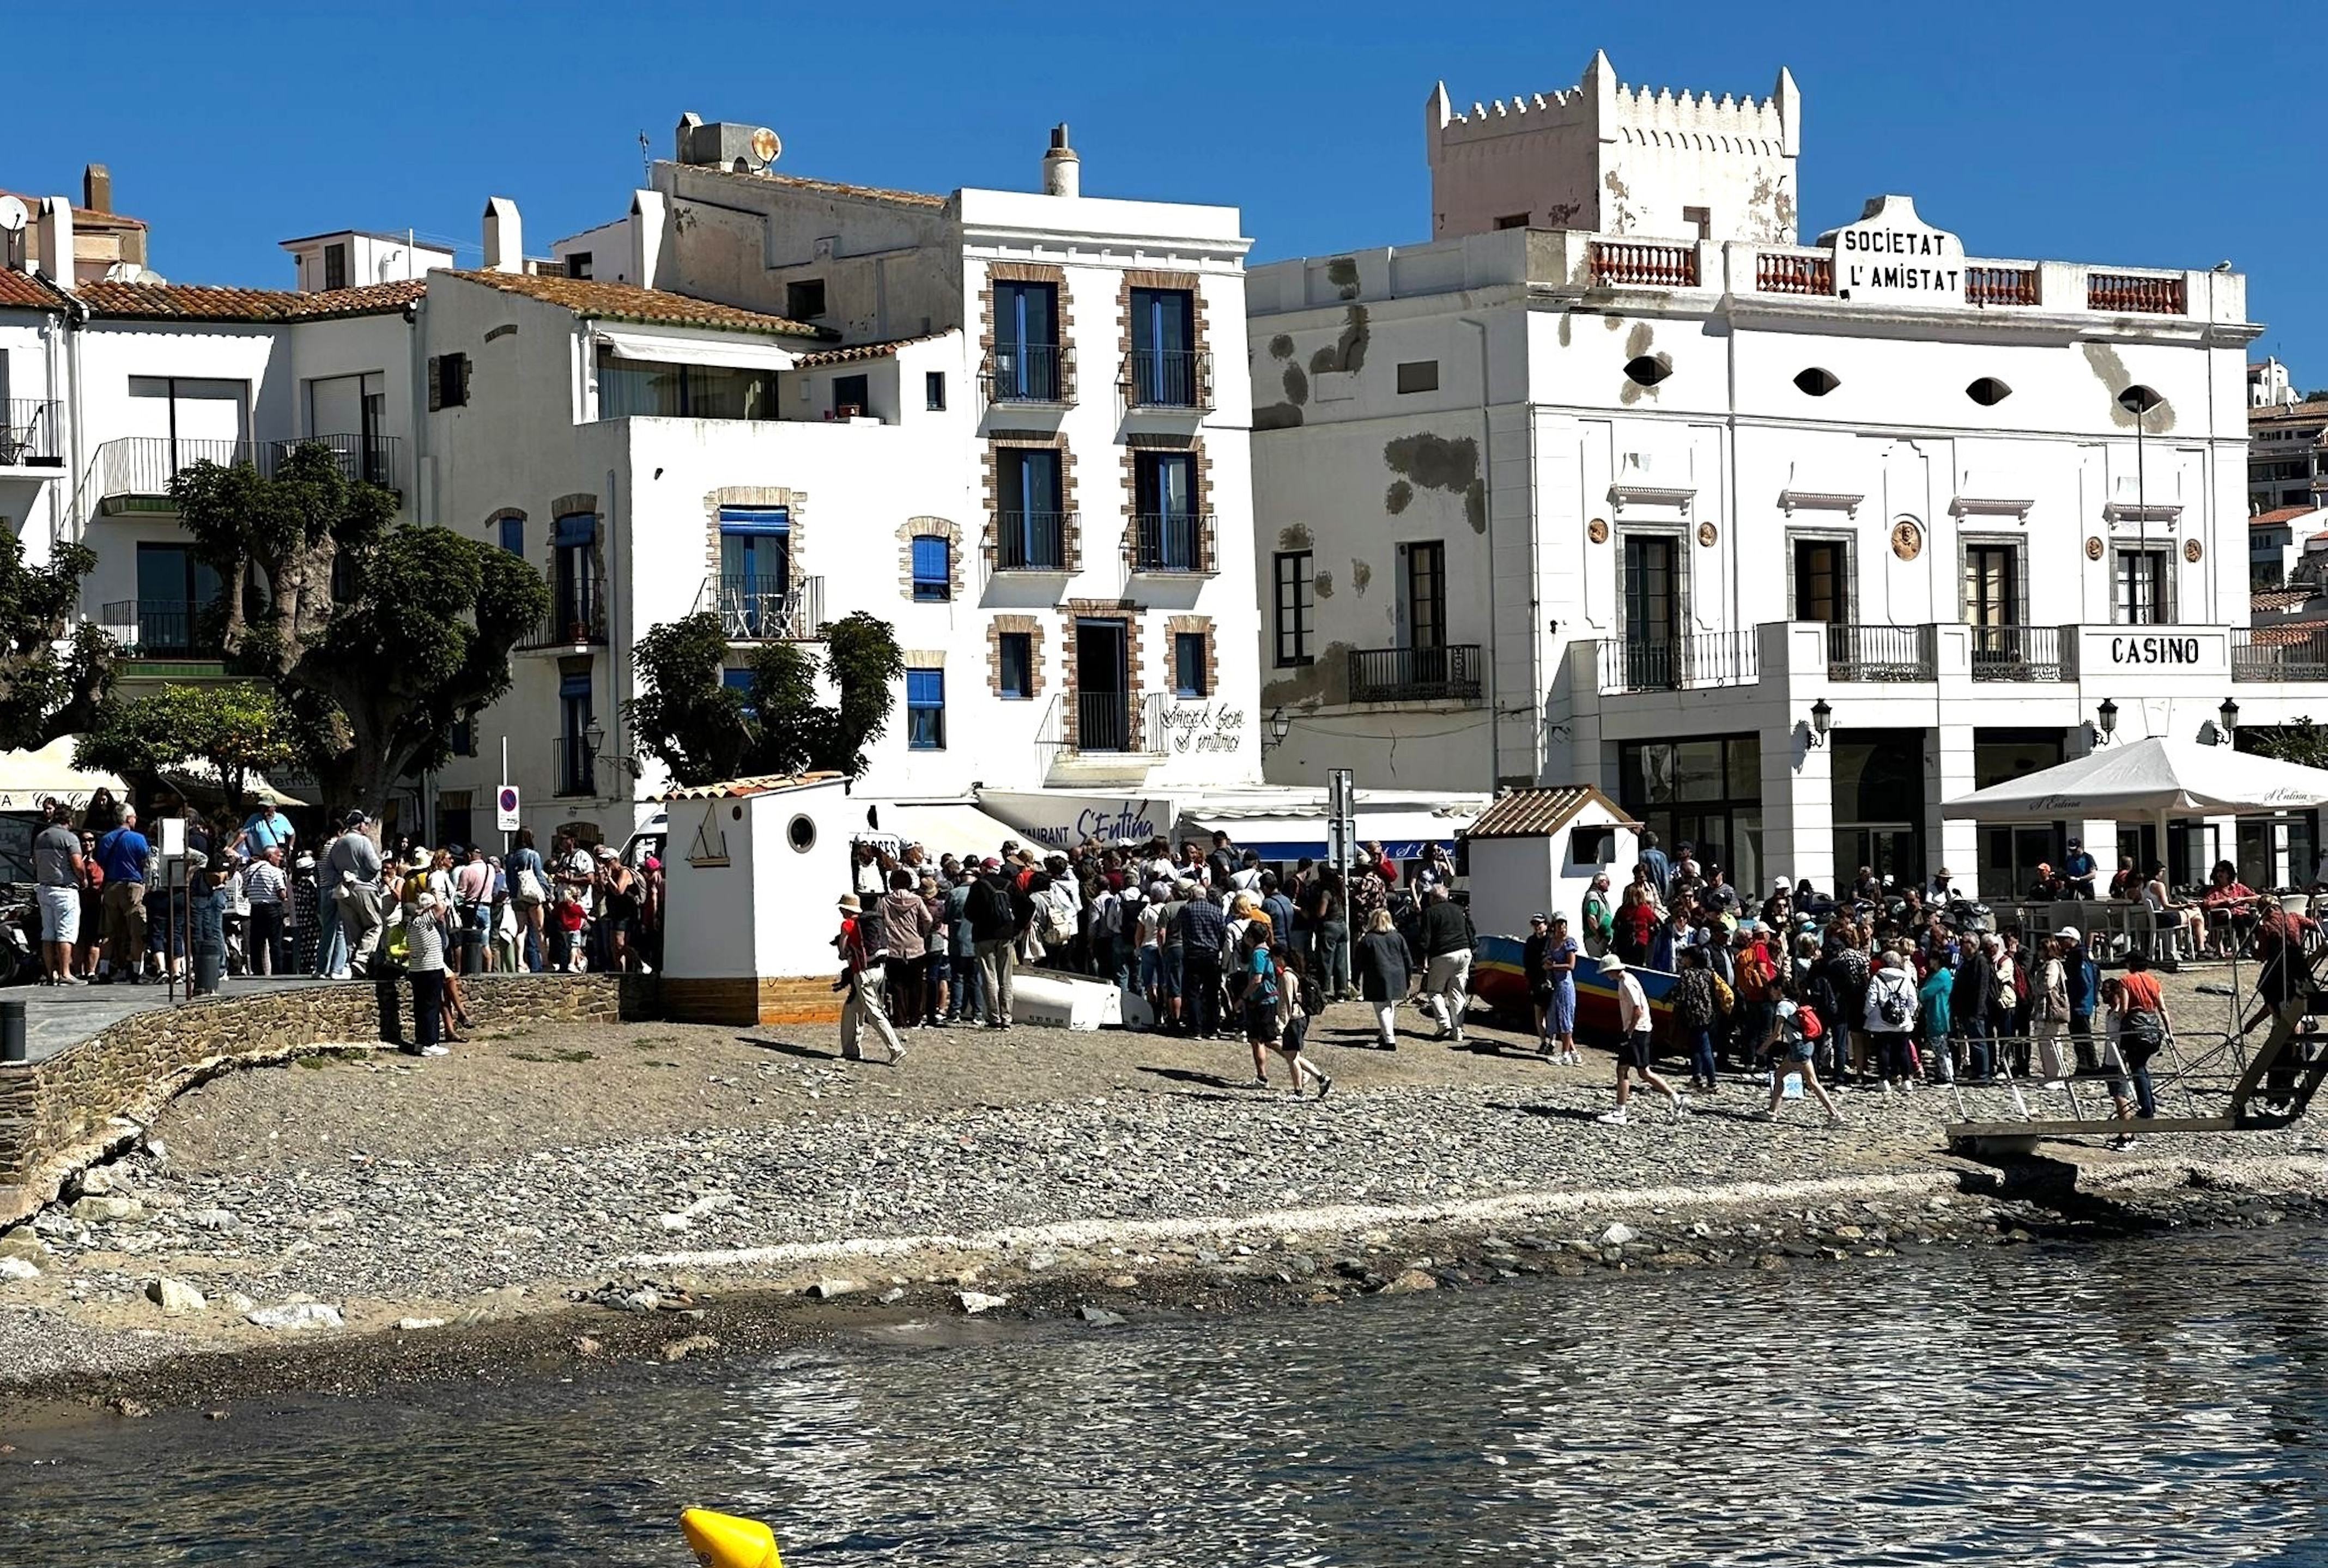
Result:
x=505 y=809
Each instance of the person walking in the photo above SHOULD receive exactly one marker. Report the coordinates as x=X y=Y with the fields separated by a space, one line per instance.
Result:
x=1204 y=936
x=121 y=855
x=1795 y=1031
x=424 y=961
x=1385 y=974
x=57 y=868
x=2052 y=1007
x=357 y=893
x=1447 y=944
x=1890 y=1020
x=863 y=978
x=1693 y=1015
x=1636 y=1050
x=994 y=926
x=529 y=883
x=1560 y=1016
x=905 y=928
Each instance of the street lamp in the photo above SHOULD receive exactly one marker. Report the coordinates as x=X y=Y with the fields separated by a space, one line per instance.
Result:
x=1280 y=724
x=594 y=736
x=1822 y=716
x=2106 y=719
x=2227 y=720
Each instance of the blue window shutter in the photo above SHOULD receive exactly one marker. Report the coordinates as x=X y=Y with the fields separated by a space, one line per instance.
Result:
x=513 y=535
x=579 y=530
x=754 y=520
x=735 y=680
x=573 y=686
x=925 y=688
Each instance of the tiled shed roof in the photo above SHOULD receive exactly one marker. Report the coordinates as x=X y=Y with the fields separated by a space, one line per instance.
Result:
x=608 y=301
x=1536 y=813
x=855 y=351
x=759 y=784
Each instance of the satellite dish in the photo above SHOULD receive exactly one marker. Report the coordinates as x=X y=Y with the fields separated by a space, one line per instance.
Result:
x=766 y=146
x=14 y=217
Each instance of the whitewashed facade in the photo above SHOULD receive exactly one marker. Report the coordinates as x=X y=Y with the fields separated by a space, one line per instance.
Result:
x=1780 y=545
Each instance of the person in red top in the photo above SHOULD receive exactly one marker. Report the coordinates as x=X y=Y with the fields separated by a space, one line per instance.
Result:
x=2139 y=1024
x=2231 y=906
x=1636 y=927
x=863 y=974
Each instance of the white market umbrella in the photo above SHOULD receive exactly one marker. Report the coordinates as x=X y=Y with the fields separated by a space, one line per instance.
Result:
x=27 y=776
x=2154 y=778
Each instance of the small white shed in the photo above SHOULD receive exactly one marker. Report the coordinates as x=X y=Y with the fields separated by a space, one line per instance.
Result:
x=1539 y=849
x=751 y=872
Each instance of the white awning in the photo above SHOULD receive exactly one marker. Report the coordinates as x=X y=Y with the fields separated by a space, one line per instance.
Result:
x=2141 y=779
x=941 y=827
x=750 y=354
x=26 y=778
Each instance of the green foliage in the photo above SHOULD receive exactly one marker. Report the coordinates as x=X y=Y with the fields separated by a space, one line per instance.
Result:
x=704 y=731
x=45 y=692
x=2303 y=742
x=238 y=729
x=382 y=640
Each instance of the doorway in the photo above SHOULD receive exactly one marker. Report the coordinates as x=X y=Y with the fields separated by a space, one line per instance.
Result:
x=1879 y=800
x=1103 y=686
x=1823 y=580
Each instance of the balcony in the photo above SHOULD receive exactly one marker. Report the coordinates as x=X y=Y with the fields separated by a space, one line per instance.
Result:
x=1658 y=266
x=2002 y=285
x=1681 y=664
x=1038 y=375
x=2020 y=654
x=31 y=437
x=577 y=765
x=1882 y=654
x=576 y=618
x=2279 y=653
x=1169 y=378
x=159 y=629
x=758 y=607
x=1810 y=272
x=1174 y=544
x=1029 y=541
x=1104 y=726
x=1445 y=674
x=2138 y=293
x=134 y=471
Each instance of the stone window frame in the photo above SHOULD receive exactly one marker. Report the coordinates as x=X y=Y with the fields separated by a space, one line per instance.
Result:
x=1028 y=272
x=1135 y=442
x=795 y=505
x=929 y=527
x=1175 y=627
x=1076 y=610
x=1199 y=337
x=990 y=462
x=997 y=628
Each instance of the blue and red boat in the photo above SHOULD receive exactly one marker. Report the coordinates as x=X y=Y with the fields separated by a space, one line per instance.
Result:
x=1499 y=980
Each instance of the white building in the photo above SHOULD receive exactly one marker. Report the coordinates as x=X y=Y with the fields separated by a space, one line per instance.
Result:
x=1780 y=545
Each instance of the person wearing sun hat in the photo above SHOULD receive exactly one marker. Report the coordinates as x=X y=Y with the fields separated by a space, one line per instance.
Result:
x=863 y=978
x=1635 y=1052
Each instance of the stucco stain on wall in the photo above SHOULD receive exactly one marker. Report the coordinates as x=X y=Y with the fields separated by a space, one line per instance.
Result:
x=1287 y=415
x=1280 y=347
x=1342 y=272
x=1348 y=351
x=1295 y=536
x=1328 y=681
x=1398 y=497
x=1361 y=574
x=1436 y=462
x=1324 y=584
x=2111 y=372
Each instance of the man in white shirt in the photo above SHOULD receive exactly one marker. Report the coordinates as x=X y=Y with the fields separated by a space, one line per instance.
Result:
x=264 y=884
x=1636 y=1053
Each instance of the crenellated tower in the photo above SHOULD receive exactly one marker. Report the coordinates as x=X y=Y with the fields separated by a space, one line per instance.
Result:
x=1620 y=159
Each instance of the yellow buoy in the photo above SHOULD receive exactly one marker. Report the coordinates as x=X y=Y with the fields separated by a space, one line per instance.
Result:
x=725 y=1541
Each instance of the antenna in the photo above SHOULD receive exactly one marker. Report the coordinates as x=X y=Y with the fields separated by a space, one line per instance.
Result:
x=767 y=147
x=646 y=160
x=12 y=215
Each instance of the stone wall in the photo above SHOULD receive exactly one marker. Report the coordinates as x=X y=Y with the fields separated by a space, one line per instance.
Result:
x=134 y=1067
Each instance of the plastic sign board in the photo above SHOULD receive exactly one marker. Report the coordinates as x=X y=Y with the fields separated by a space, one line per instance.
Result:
x=505 y=809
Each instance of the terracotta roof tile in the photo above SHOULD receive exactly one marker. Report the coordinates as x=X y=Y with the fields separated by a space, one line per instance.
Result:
x=21 y=288
x=2278 y=514
x=1536 y=813
x=83 y=217
x=2287 y=634
x=2271 y=601
x=856 y=352
x=590 y=296
x=831 y=187
x=197 y=302
x=759 y=784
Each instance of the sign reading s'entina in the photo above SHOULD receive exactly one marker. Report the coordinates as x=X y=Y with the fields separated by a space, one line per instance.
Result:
x=1893 y=257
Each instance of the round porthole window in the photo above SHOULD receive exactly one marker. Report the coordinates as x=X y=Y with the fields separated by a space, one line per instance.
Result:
x=801 y=833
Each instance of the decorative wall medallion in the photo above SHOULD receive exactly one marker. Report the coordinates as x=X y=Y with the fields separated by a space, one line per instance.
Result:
x=2191 y=550
x=1706 y=534
x=1906 y=540
x=1597 y=530
x=2093 y=547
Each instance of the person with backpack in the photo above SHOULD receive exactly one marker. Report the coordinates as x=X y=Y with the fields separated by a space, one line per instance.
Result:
x=1795 y=1031
x=1293 y=1010
x=1260 y=989
x=1891 y=1018
x=1637 y=1051
x=2140 y=1027
x=1756 y=970
x=1693 y=1014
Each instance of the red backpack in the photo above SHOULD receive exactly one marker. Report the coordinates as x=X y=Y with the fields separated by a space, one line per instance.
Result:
x=1806 y=1022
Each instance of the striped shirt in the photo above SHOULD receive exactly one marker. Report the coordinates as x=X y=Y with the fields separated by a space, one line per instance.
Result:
x=424 y=942
x=263 y=883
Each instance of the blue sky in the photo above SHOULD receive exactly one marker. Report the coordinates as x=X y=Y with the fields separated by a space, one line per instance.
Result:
x=2142 y=134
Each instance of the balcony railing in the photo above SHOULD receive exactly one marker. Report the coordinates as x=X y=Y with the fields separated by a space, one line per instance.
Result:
x=1169 y=378
x=1445 y=674
x=1778 y=272
x=2020 y=654
x=1882 y=652
x=2001 y=286
x=1029 y=541
x=30 y=436
x=1030 y=373
x=159 y=628
x=2279 y=653
x=1174 y=544
x=1707 y=659
x=2136 y=293
x=1659 y=266
x=762 y=607
x=578 y=769
x=576 y=618
x=139 y=468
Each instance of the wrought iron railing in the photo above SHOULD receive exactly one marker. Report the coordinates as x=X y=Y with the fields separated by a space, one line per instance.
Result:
x=1030 y=373
x=1451 y=673
x=161 y=628
x=2279 y=653
x=30 y=435
x=1707 y=659
x=2020 y=654
x=1882 y=652
x=763 y=607
x=1169 y=378
x=1173 y=544
x=1029 y=541
x=142 y=466
x=576 y=618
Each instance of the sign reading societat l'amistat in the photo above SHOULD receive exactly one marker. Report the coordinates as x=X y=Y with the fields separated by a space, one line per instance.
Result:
x=1893 y=257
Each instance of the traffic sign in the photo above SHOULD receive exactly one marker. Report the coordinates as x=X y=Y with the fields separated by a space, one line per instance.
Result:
x=505 y=809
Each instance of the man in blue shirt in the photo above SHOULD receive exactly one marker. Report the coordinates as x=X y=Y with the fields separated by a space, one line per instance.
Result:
x=267 y=829
x=1661 y=868
x=121 y=855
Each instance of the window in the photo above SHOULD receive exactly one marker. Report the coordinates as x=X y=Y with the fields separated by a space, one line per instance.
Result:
x=1297 y=608
x=1512 y=220
x=448 y=381
x=1026 y=343
x=1591 y=846
x=578 y=264
x=1988 y=391
x=756 y=572
x=851 y=395
x=512 y=533
x=335 y=266
x=1815 y=382
x=2144 y=590
x=1652 y=593
x=1823 y=580
x=1163 y=345
x=628 y=388
x=925 y=709
x=1164 y=486
x=1188 y=664
x=1707 y=791
x=573 y=577
x=577 y=768
x=1423 y=591
x=1030 y=530
x=199 y=418
x=1698 y=220
x=933 y=390
x=1419 y=376
x=932 y=570
x=1648 y=369
x=464 y=737
x=804 y=300
x=1991 y=586
x=1015 y=653
x=176 y=597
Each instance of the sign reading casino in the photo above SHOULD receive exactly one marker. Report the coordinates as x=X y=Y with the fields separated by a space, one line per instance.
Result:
x=1890 y=256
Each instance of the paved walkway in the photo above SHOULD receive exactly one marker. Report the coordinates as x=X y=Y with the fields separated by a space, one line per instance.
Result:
x=56 y=1017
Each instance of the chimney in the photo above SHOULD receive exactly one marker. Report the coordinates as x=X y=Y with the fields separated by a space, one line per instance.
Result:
x=52 y=236
x=505 y=239
x=650 y=224
x=96 y=188
x=1062 y=170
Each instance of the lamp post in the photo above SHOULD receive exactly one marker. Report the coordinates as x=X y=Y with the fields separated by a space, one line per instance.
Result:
x=594 y=736
x=2227 y=721
x=1822 y=717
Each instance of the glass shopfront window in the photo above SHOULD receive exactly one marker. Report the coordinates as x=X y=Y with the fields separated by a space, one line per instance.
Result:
x=1706 y=793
